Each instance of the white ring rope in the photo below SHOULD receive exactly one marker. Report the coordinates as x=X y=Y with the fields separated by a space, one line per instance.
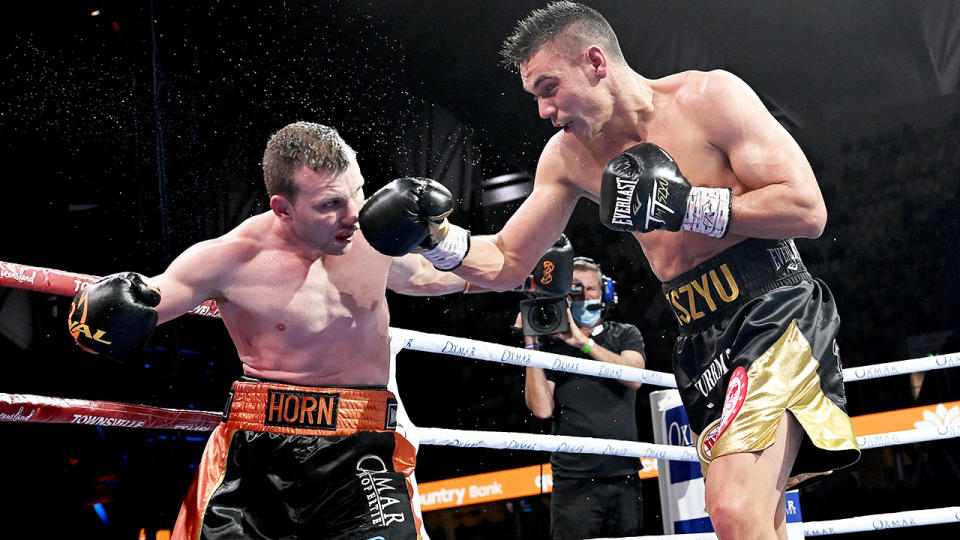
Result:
x=874 y=522
x=908 y=436
x=482 y=350
x=502 y=440
x=492 y=352
x=879 y=522
x=902 y=367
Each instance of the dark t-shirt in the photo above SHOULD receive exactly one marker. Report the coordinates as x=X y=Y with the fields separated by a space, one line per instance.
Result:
x=588 y=406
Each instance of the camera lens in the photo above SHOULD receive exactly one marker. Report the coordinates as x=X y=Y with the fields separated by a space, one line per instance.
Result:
x=544 y=316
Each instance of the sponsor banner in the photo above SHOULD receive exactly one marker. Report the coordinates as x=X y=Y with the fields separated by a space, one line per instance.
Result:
x=939 y=415
x=682 y=498
x=681 y=483
x=497 y=485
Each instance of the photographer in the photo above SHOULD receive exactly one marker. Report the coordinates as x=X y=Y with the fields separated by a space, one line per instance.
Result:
x=593 y=495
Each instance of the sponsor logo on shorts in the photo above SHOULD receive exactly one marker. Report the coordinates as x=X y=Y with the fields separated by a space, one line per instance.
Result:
x=378 y=481
x=706 y=294
x=712 y=375
x=736 y=395
x=785 y=257
x=391 y=422
x=301 y=409
x=706 y=441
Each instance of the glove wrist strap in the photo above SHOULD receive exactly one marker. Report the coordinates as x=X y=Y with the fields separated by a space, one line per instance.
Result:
x=449 y=253
x=708 y=211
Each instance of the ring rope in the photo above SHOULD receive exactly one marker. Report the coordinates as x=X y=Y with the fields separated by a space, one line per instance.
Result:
x=42 y=409
x=482 y=350
x=879 y=522
x=873 y=522
x=901 y=367
x=14 y=408
x=46 y=280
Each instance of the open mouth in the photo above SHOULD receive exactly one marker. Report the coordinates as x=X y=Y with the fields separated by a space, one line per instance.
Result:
x=346 y=236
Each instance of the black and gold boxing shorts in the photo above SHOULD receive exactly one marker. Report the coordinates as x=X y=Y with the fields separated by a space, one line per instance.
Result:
x=757 y=338
x=303 y=462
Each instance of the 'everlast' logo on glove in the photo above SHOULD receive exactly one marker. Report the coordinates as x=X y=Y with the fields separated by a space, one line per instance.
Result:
x=643 y=176
x=622 y=211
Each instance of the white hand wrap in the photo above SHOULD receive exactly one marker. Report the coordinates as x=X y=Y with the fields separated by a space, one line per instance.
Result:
x=450 y=252
x=708 y=211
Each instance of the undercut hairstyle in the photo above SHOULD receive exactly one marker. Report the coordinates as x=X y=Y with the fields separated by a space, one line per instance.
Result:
x=583 y=25
x=317 y=146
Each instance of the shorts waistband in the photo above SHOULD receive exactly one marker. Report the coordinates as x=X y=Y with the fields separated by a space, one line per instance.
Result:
x=256 y=405
x=704 y=295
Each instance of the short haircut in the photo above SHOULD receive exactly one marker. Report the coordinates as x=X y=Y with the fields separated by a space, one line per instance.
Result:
x=565 y=18
x=586 y=264
x=317 y=146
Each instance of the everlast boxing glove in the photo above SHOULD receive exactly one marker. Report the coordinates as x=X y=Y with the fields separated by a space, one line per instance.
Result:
x=553 y=274
x=409 y=215
x=643 y=190
x=114 y=316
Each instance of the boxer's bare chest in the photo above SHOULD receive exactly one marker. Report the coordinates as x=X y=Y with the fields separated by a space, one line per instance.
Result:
x=300 y=299
x=702 y=163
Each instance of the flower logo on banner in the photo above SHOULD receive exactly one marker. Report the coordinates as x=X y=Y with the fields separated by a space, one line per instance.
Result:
x=942 y=417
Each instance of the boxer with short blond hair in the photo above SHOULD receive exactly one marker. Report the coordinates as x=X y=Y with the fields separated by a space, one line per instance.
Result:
x=308 y=447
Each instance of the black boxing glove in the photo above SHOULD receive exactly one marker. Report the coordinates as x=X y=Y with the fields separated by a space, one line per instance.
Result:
x=409 y=215
x=114 y=316
x=553 y=274
x=642 y=190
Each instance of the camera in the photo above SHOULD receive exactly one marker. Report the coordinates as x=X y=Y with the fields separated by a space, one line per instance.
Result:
x=544 y=316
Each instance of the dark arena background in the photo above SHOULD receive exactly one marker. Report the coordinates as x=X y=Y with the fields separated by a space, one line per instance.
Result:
x=133 y=129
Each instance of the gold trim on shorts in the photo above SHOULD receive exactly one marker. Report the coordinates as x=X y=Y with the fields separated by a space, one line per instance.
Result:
x=783 y=378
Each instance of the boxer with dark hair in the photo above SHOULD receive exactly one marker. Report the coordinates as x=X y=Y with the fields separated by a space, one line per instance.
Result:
x=714 y=189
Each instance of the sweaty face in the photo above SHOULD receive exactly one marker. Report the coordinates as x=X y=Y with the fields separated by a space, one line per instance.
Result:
x=326 y=212
x=566 y=92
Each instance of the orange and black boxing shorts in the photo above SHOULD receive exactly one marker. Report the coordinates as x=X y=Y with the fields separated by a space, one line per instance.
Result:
x=757 y=338
x=303 y=462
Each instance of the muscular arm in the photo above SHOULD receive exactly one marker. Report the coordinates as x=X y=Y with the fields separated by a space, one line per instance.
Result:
x=191 y=278
x=501 y=262
x=413 y=275
x=782 y=198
